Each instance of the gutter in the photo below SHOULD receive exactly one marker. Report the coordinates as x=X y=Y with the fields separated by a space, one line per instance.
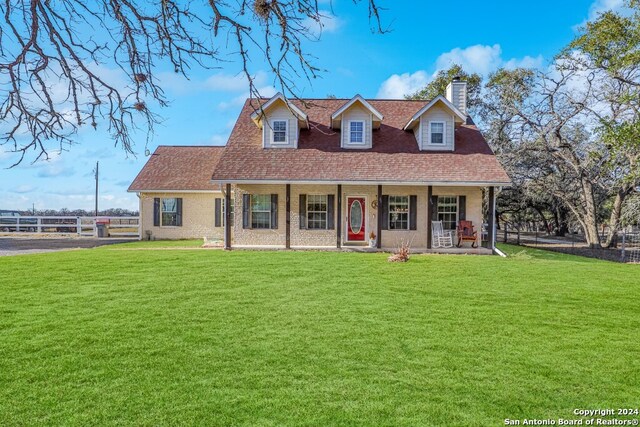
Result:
x=369 y=182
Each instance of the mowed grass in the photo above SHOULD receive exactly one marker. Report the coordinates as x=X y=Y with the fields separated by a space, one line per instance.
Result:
x=165 y=337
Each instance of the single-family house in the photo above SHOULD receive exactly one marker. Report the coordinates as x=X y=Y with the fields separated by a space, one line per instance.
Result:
x=327 y=173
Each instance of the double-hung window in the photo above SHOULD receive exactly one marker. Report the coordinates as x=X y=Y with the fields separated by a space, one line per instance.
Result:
x=260 y=211
x=436 y=132
x=169 y=212
x=448 y=211
x=356 y=132
x=279 y=128
x=398 y=212
x=317 y=212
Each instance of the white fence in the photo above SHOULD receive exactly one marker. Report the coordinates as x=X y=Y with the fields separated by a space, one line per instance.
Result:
x=116 y=226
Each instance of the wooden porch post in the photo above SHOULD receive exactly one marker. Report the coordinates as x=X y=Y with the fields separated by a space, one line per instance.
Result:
x=429 y=215
x=339 y=218
x=227 y=218
x=288 y=221
x=492 y=217
x=379 y=240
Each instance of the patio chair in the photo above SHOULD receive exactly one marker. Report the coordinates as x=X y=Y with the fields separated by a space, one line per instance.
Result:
x=466 y=232
x=441 y=238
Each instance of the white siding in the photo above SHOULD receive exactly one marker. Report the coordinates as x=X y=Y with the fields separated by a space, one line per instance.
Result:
x=437 y=114
x=280 y=112
x=457 y=94
x=356 y=112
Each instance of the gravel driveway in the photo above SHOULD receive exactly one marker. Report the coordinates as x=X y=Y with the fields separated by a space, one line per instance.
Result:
x=22 y=246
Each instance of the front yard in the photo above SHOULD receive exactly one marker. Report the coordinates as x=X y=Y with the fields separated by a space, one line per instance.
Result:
x=162 y=337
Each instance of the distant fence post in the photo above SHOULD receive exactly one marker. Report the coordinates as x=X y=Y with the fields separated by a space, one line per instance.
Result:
x=518 y=235
x=505 y=232
x=79 y=225
x=624 y=241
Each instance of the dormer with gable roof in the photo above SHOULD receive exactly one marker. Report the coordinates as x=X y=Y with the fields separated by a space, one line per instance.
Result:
x=356 y=121
x=434 y=125
x=280 y=122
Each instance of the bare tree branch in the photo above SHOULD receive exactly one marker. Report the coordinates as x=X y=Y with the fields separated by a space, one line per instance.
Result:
x=52 y=54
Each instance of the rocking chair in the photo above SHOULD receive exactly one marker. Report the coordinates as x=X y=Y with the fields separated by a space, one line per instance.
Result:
x=441 y=238
x=466 y=232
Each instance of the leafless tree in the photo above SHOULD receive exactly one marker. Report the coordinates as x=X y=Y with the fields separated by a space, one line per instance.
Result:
x=52 y=51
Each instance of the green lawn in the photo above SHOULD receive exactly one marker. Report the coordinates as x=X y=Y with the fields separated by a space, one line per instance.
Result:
x=162 y=337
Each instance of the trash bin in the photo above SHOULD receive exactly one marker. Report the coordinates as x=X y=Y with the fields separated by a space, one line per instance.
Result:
x=102 y=230
x=102 y=227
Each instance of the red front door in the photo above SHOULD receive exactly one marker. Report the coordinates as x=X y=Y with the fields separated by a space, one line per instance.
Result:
x=355 y=219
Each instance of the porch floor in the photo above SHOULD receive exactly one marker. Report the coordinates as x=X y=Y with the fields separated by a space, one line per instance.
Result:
x=455 y=251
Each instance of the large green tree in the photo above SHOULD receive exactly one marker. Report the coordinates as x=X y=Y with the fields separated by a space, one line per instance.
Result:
x=609 y=49
x=572 y=130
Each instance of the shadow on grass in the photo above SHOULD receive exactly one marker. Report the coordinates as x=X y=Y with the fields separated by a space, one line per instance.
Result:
x=524 y=252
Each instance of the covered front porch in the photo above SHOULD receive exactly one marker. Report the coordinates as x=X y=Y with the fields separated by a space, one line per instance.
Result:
x=356 y=216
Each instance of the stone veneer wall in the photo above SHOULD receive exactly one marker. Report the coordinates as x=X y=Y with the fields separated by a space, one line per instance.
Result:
x=251 y=237
x=474 y=205
x=198 y=214
x=305 y=237
x=327 y=238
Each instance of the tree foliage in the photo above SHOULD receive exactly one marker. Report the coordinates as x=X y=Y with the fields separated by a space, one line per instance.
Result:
x=438 y=85
x=570 y=133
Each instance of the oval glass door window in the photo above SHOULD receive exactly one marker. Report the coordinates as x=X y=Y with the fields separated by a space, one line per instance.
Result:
x=355 y=217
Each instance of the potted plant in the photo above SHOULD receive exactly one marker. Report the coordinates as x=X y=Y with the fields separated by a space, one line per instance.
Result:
x=372 y=240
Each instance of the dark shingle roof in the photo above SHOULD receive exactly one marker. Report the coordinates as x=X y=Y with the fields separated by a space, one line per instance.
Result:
x=394 y=156
x=178 y=168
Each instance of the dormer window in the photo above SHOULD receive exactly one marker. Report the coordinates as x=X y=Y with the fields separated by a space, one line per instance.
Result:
x=280 y=122
x=356 y=132
x=279 y=132
x=356 y=120
x=436 y=133
x=434 y=125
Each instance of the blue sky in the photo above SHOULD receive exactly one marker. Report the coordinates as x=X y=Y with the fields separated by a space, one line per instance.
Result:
x=426 y=36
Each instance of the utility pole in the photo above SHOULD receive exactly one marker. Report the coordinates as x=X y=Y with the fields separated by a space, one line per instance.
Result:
x=97 y=166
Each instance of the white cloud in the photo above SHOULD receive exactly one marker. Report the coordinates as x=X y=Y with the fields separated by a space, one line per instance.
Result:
x=233 y=83
x=235 y=102
x=24 y=188
x=525 y=62
x=600 y=6
x=399 y=85
x=474 y=59
x=219 y=82
x=481 y=59
x=328 y=23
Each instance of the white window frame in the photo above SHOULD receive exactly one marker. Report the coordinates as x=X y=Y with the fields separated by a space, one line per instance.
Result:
x=444 y=132
x=273 y=132
x=325 y=212
x=457 y=204
x=364 y=141
x=251 y=211
x=162 y=212
x=390 y=213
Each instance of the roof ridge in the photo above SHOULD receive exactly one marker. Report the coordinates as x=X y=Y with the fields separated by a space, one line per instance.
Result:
x=349 y=99
x=191 y=146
